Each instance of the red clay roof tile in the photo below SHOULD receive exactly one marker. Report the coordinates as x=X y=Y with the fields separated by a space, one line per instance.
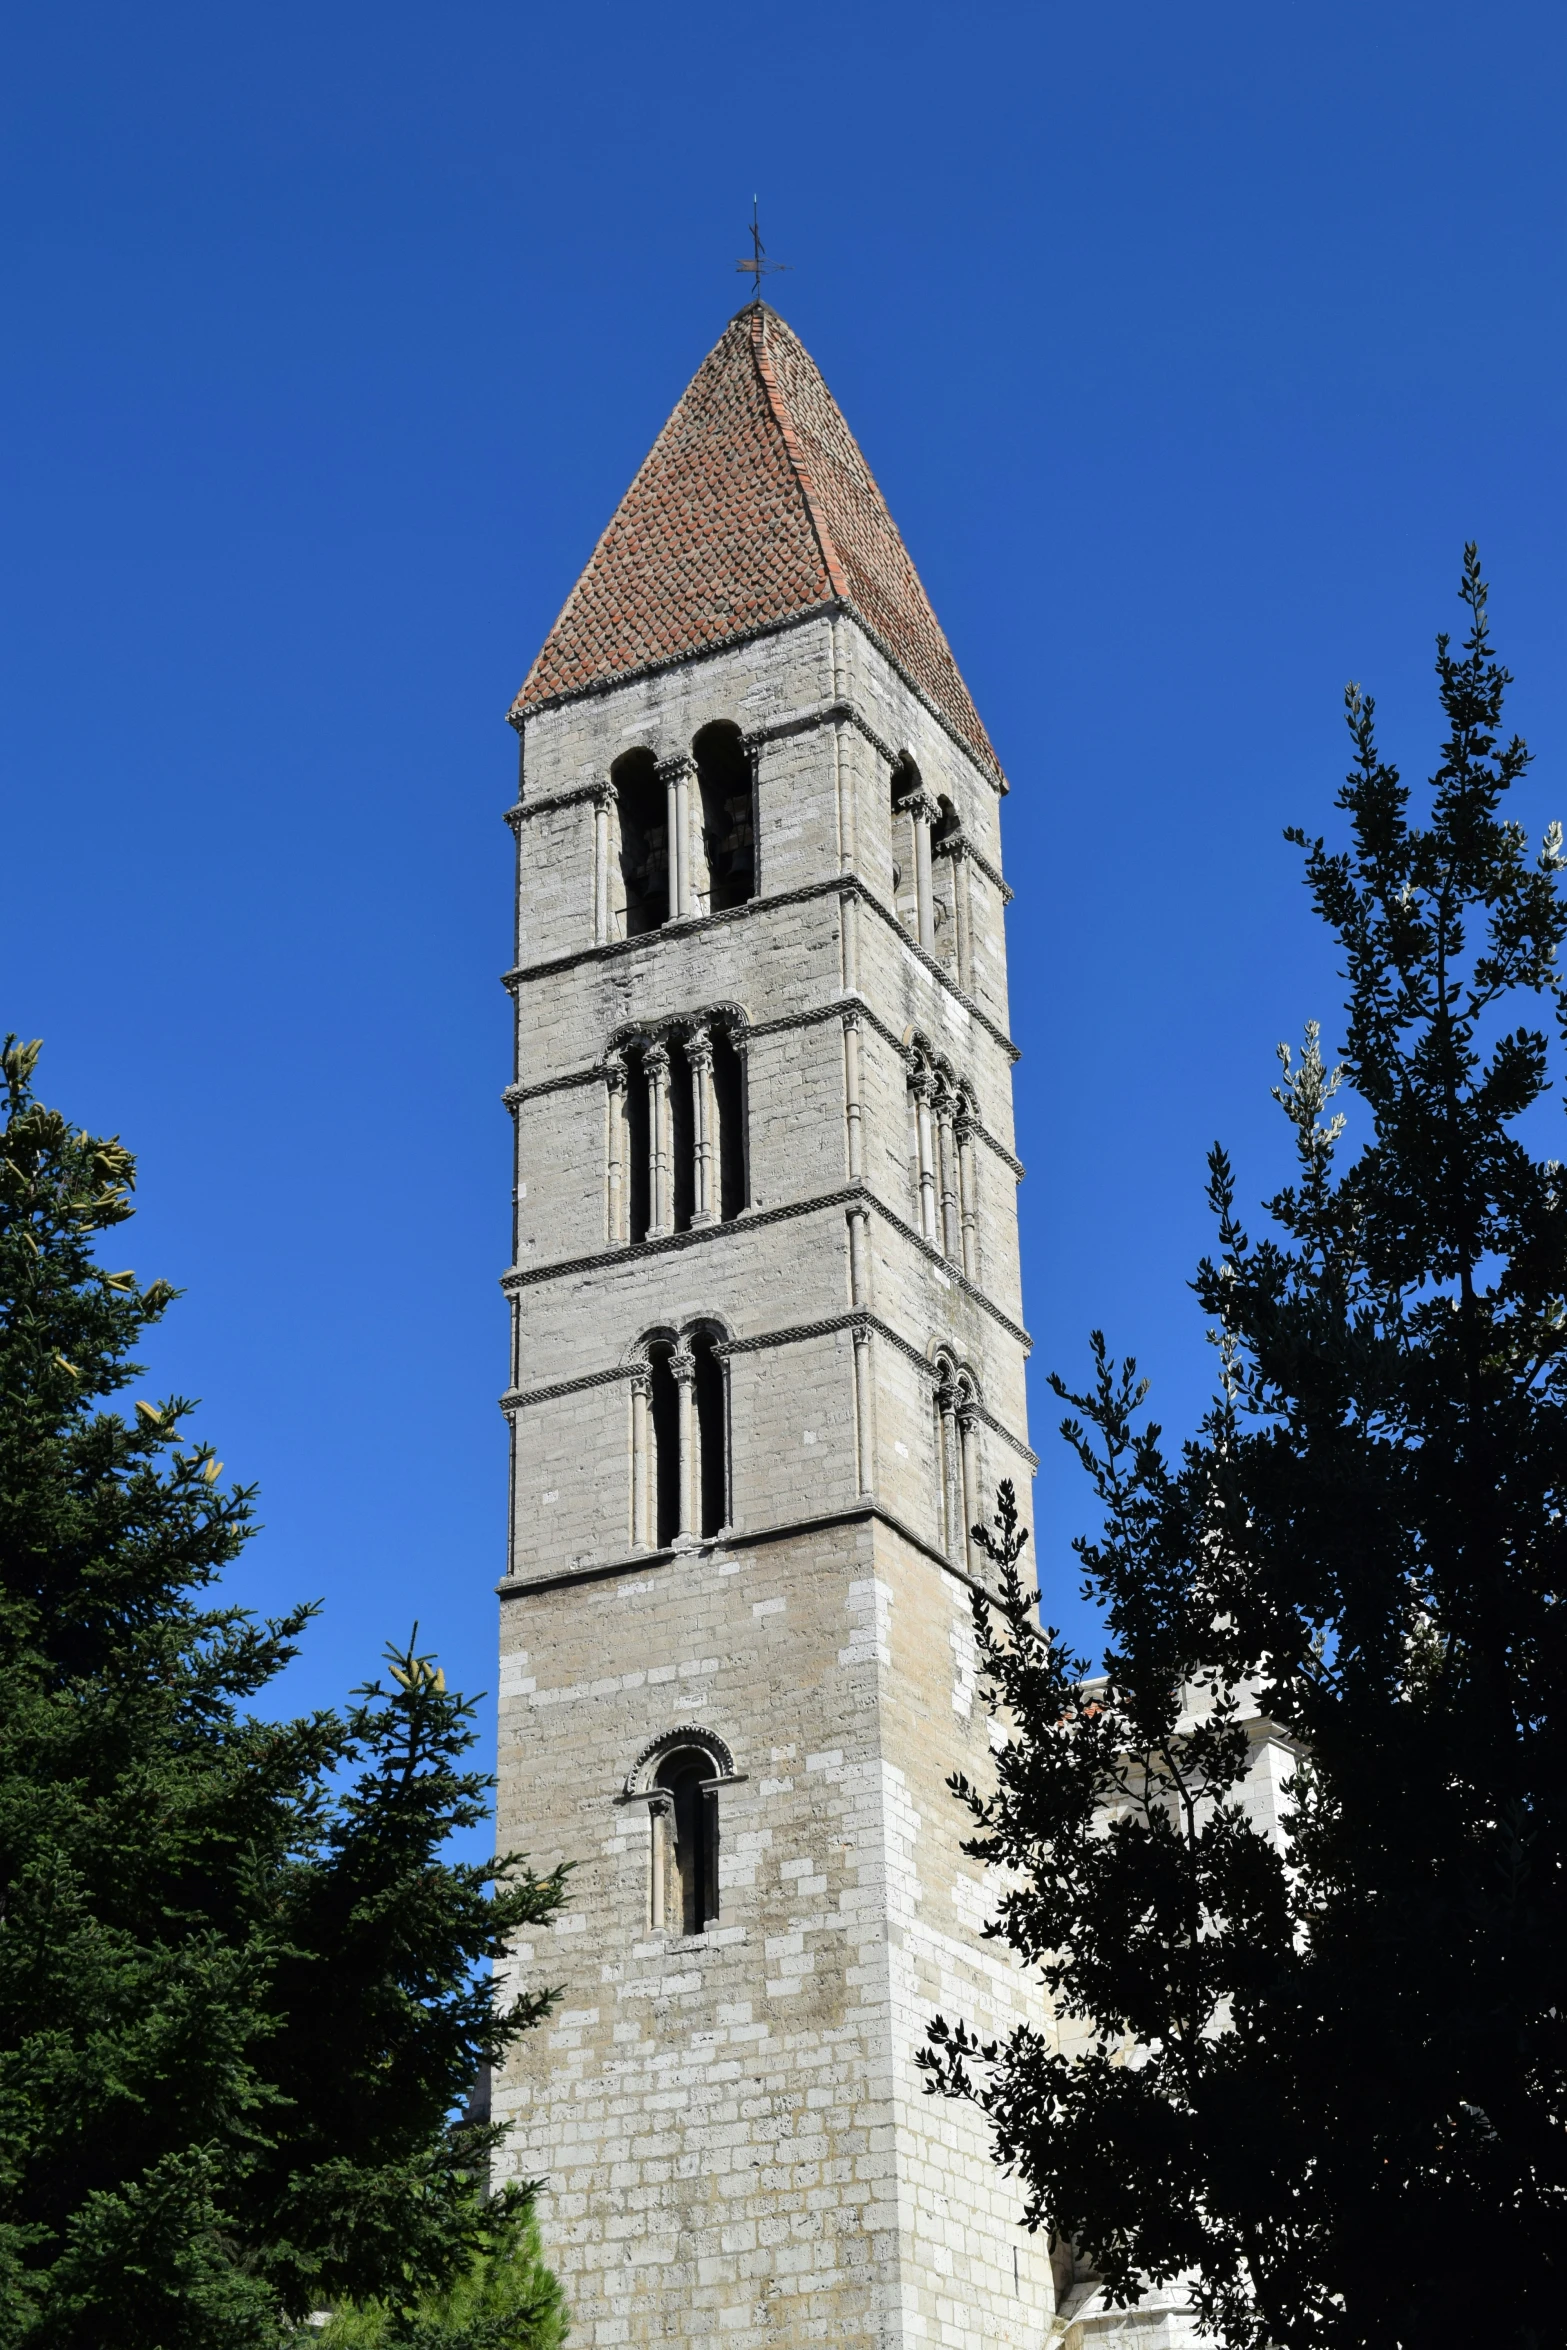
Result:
x=753 y=505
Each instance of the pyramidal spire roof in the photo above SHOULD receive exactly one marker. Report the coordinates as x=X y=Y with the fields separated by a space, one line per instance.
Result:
x=754 y=505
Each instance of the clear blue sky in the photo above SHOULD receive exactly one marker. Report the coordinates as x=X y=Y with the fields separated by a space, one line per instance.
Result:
x=1188 y=344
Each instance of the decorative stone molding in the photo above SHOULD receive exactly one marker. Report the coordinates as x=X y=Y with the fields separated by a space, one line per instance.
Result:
x=859 y=1324
x=639 y=1777
x=841 y=885
x=564 y=1268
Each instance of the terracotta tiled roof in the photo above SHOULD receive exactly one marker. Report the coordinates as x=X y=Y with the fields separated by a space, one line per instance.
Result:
x=753 y=505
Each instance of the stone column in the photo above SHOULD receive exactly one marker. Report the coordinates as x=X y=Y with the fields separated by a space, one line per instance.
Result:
x=956 y=847
x=968 y=1192
x=924 y=811
x=740 y=1040
x=660 y=1820
x=699 y=1059
x=947 y=1161
x=641 y=1457
x=864 y=1405
x=683 y=1364
x=947 y=1405
x=656 y=1062
x=615 y=1090
x=968 y=1483
x=859 y=1257
x=851 y=1094
x=601 y=850
x=843 y=777
x=922 y=1093
x=677 y=774
x=849 y=940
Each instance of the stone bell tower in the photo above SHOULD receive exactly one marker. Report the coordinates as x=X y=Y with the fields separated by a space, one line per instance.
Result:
x=767 y=1367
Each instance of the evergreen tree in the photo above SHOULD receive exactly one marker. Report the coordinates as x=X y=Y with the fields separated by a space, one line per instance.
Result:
x=1327 y=2082
x=506 y=2299
x=241 y=1993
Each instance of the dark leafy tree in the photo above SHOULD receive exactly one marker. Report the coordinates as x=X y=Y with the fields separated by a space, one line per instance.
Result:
x=240 y=1988
x=1326 y=2082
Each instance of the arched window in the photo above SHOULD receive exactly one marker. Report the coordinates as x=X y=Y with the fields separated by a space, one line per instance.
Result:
x=957 y=1454
x=729 y=1099
x=943 y=1123
x=680 y=1480
x=905 y=783
x=637 y=1157
x=676 y=1127
x=712 y=1435
x=642 y=823
x=726 y=874
x=664 y=1416
x=691 y=1841
x=680 y=1777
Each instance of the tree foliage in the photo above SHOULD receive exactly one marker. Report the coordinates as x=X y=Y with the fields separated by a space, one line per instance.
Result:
x=505 y=2299
x=1325 y=2078
x=241 y=1992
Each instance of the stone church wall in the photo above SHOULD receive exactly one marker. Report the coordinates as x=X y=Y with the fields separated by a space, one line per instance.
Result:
x=737 y=2142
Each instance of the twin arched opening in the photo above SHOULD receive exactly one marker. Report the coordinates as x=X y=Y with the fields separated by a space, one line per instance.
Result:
x=960 y=1480
x=684 y=833
x=680 y=1489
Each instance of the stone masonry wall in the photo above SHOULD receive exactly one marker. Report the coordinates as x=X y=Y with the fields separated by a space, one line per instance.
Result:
x=735 y=2139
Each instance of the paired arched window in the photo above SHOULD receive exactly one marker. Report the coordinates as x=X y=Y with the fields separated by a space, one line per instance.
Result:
x=959 y=1481
x=678 y=836
x=680 y=1778
x=680 y=1490
x=930 y=888
x=943 y=1119
x=677 y=1150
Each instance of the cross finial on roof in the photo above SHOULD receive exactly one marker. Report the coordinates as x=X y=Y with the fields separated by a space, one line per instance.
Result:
x=758 y=266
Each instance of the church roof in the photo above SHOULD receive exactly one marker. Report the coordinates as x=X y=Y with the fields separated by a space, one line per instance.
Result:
x=753 y=506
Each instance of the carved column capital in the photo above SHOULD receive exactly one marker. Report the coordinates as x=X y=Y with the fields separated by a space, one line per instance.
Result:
x=699 y=1046
x=615 y=1072
x=655 y=1057
x=642 y=1379
x=682 y=1363
x=673 y=769
x=921 y=803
